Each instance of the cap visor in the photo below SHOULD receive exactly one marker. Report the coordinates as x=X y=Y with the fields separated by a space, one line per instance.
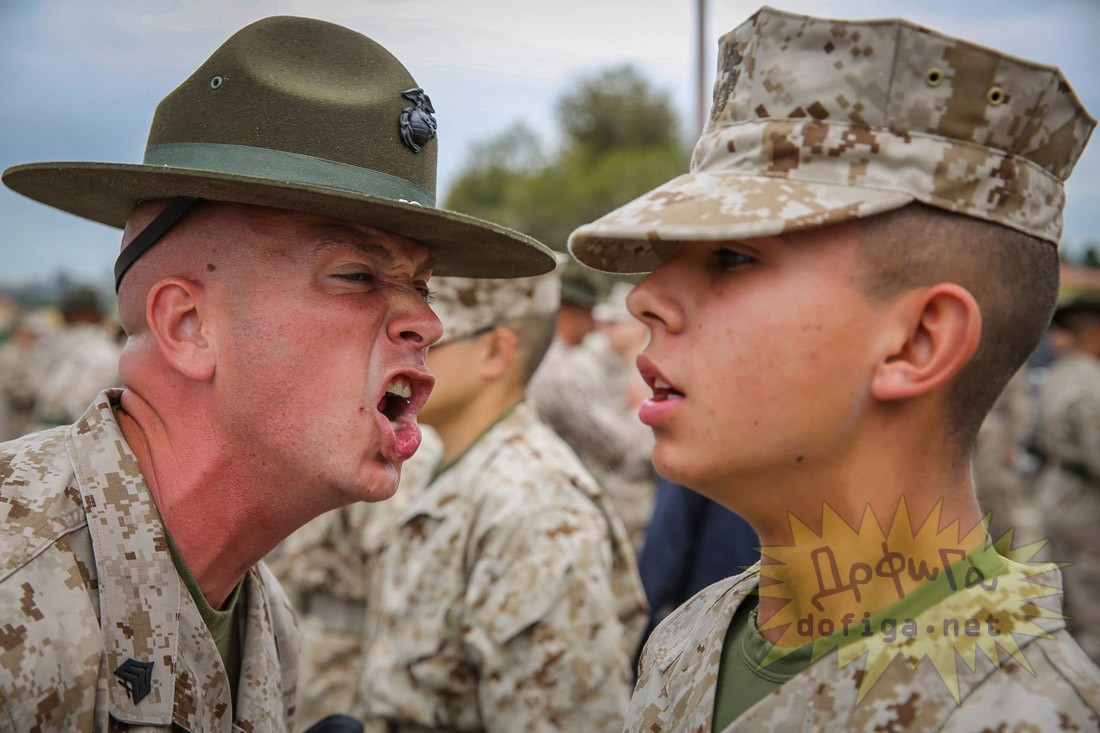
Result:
x=638 y=236
x=107 y=192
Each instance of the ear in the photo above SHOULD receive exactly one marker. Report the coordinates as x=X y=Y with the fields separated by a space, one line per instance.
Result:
x=499 y=353
x=938 y=331
x=176 y=312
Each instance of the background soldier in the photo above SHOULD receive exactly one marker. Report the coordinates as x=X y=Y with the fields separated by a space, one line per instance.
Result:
x=1068 y=488
x=327 y=568
x=583 y=390
x=79 y=361
x=509 y=599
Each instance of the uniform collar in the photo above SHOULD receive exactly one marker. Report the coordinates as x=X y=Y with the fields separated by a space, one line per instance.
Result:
x=139 y=611
x=514 y=418
x=148 y=616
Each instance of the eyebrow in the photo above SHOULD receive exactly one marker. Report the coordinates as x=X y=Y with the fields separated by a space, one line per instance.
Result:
x=334 y=235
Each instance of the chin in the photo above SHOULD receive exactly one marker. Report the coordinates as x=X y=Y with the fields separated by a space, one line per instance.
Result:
x=378 y=483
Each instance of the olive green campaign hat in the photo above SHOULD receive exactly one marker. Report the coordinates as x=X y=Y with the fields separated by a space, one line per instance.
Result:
x=298 y=114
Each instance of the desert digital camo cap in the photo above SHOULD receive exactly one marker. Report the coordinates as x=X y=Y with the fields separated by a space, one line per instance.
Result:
x=299 y=114
x=466 y=306
x=818 y=121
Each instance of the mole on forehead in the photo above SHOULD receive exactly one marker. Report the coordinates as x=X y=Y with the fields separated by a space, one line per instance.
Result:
x=368 y=242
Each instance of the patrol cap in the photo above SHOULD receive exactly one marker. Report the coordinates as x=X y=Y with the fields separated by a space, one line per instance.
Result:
x=468 y=306
x=818 y=121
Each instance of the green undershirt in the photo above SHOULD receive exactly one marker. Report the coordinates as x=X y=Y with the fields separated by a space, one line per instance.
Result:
x=224 y=626
x=742 y=682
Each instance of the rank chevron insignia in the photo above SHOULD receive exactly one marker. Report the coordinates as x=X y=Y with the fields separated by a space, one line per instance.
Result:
x=136 y=677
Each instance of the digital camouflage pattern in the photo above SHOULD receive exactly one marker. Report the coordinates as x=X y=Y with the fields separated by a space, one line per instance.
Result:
x=468 y=305
x=580 y=392
x=510 y=600
x=327 y=568
x=817 y=121
x=1069 y=486
x=679 y=672
x=1001 y=488
x=87 y=583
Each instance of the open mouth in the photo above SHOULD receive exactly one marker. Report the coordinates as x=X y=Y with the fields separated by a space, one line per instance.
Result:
x=662 y=390
x=397 y=400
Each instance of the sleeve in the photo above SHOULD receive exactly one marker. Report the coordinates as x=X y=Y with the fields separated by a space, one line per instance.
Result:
x=542 y=626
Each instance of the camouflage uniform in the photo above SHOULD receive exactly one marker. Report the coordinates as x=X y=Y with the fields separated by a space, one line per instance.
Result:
x=21 y=369
x=1069 y=486
x=86 y=588
x=80 y=361
x=327 y=567
x=816 y=122
x=510 y=600
x=580 y=392
x=1002 y=490
x=679 y=673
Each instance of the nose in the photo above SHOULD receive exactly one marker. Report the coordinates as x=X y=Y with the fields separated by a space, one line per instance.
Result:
x=653 y=303
x=411 y=321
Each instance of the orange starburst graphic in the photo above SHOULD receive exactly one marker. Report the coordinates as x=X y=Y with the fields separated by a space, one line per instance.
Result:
x=853 y=577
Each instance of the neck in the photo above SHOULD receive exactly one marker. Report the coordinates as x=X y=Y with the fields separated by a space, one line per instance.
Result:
x=463 y=430
x=867 y=538
x=192 y=482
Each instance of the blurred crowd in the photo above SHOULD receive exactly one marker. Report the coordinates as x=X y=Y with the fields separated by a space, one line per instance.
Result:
x=54 y=360
x=1036 y=465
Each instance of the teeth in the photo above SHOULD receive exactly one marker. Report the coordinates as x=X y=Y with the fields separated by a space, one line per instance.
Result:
x=659 y=383
x=400 y=386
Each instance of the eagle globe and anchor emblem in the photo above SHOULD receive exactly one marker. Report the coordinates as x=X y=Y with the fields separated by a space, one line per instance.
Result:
x=417 y=123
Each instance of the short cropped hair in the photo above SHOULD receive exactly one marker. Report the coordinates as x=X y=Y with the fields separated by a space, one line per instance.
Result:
x=1012 y=276
x=534 y=334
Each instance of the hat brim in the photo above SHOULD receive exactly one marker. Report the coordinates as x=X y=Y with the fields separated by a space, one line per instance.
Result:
x=720 y=206
x=107 y=192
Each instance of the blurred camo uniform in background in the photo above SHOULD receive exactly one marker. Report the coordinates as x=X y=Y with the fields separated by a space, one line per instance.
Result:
x=583 y=391
x=509 y=599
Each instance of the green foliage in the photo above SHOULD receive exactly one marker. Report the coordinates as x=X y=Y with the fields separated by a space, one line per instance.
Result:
x=617 y=108
x=1092 y=256
x=620 y=139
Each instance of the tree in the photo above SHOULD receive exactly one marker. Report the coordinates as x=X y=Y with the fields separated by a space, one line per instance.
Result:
x=617 y=108
x=1092 y=255
x=620 y=138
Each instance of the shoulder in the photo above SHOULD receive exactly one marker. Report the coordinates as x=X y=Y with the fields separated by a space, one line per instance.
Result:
x=701 y=621
x=1057 y=689
x=529 y=469
x=52 y=641
x=39 y=501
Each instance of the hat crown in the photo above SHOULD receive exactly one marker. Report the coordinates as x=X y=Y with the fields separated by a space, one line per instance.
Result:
x=895 y=75
x=300 y=86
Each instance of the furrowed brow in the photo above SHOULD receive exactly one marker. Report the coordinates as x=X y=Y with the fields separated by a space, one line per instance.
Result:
x=337 y=236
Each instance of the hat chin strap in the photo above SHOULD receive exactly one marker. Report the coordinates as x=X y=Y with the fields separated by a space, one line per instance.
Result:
x=151 y=234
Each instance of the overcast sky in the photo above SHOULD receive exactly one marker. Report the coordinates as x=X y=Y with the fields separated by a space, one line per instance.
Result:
x=79 y=79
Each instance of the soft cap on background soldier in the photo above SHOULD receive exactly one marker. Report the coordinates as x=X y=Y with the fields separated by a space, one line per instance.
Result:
x=469 y=306
x=818 y=121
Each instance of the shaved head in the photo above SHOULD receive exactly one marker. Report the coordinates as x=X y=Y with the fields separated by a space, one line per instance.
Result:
x=201 y=248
